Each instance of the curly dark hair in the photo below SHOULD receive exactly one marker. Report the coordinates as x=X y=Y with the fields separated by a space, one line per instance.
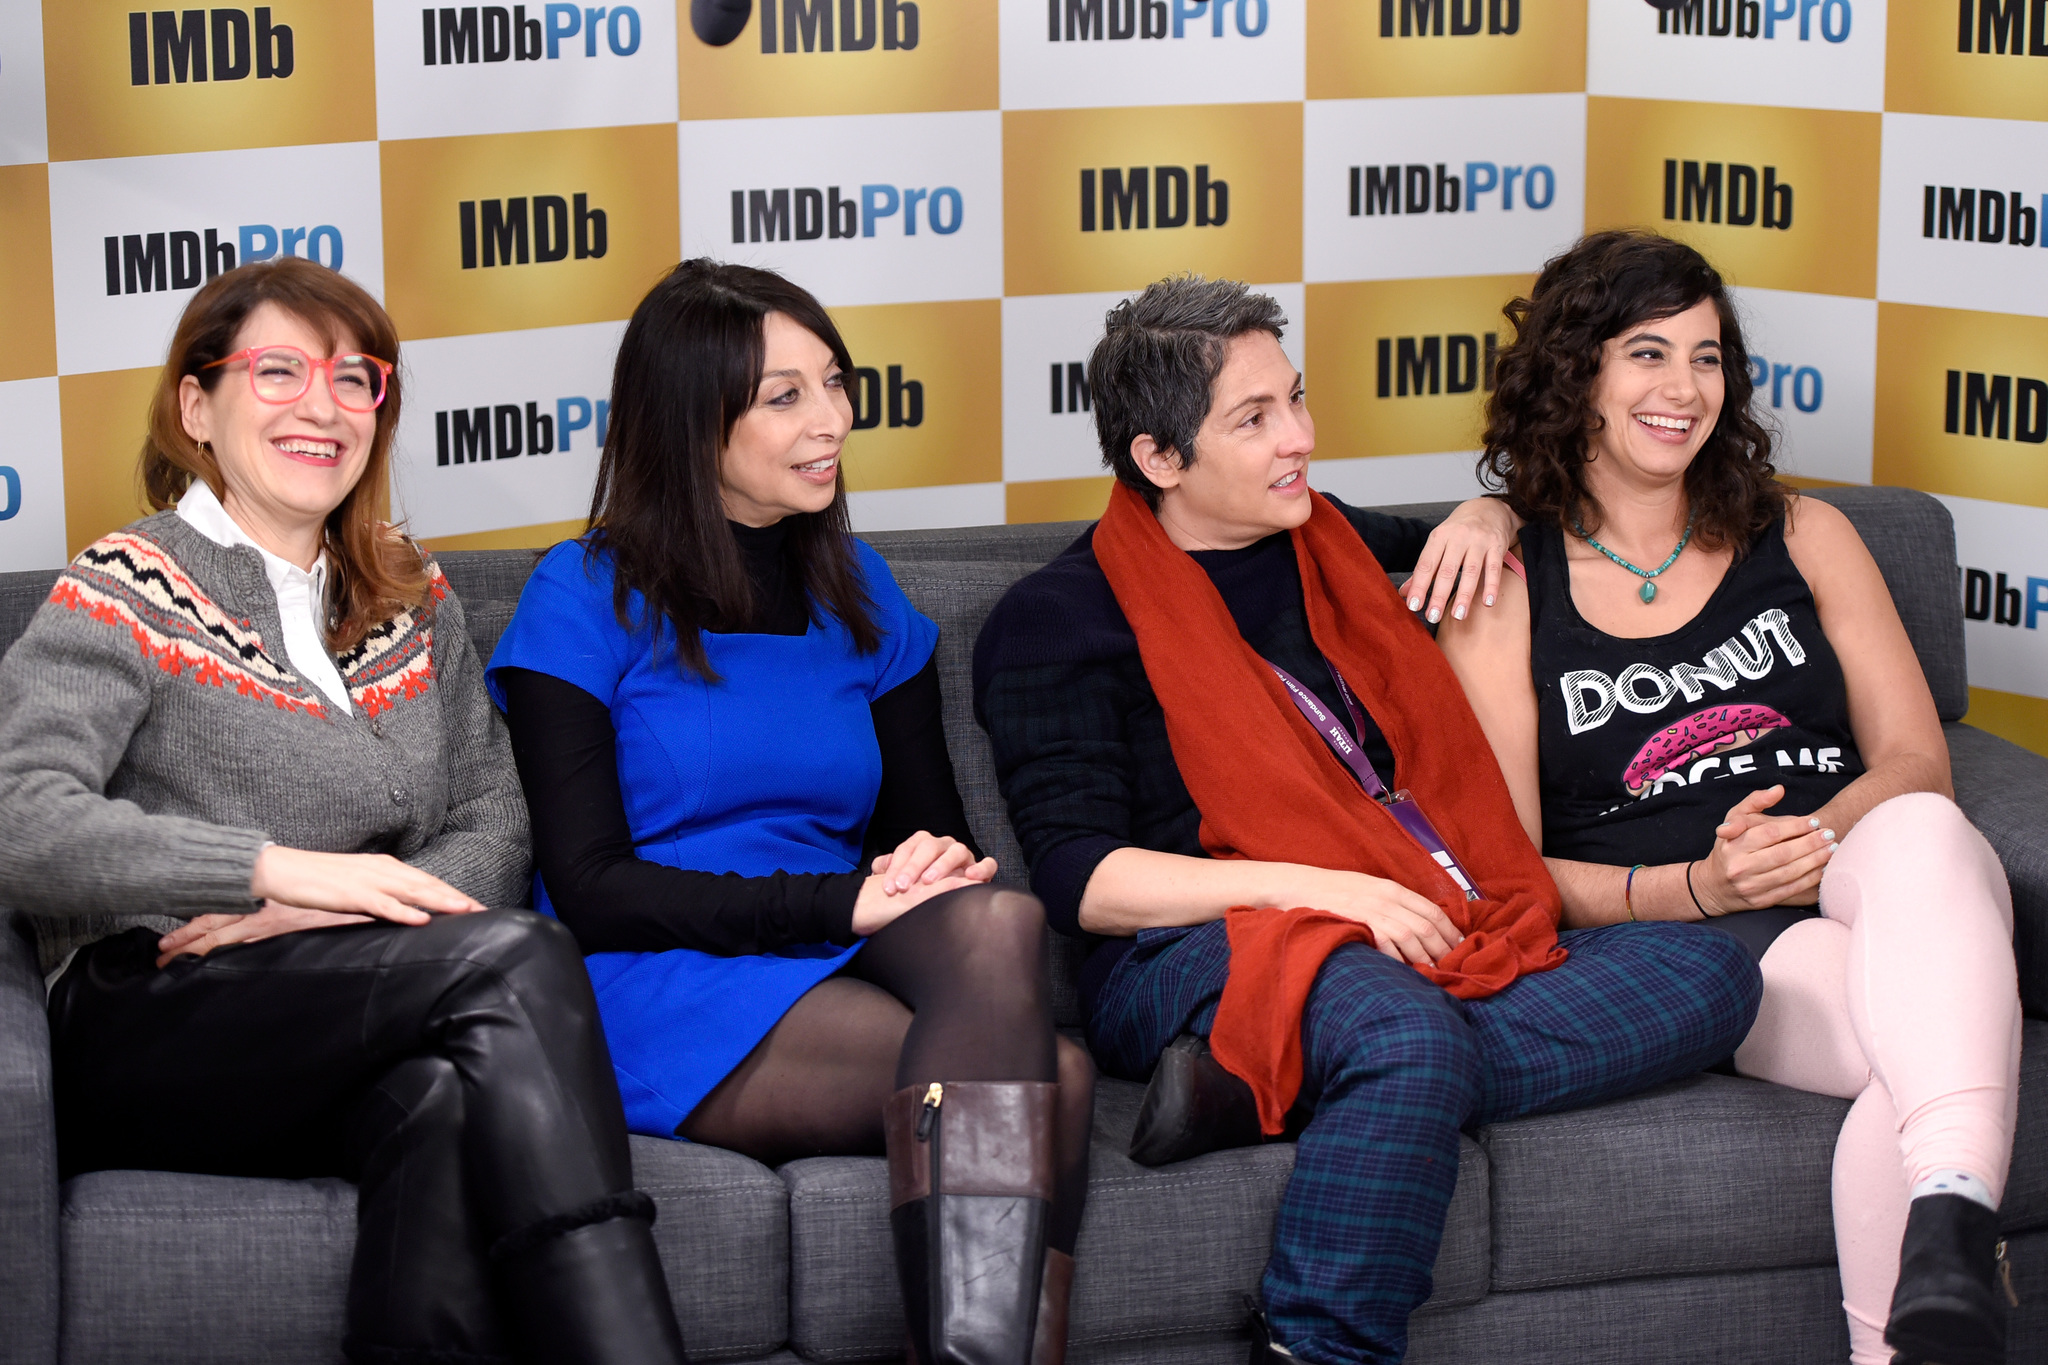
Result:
x=1540 y=413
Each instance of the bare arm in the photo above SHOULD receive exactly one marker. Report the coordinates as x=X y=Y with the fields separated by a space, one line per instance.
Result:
x=1891 y=712
x=1137 y=888
x=1763 y=861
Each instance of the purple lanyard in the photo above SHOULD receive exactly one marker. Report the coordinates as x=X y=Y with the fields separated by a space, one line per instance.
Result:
x=1399 y=804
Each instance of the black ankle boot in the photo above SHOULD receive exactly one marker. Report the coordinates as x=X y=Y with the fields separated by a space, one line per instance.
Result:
x=970 y=1185
x=1265 y=1350
x=1193 y=1106
x=587 y=1288
x=1950 y=1306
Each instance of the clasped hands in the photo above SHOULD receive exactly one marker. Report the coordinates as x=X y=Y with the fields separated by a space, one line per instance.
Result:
x=921 y=867
x=1761 y=860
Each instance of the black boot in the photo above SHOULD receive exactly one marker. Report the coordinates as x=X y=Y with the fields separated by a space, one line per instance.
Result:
x=1949 y=1308
x=1265 y=1350
x=587 y=1289
x=1193 y=1106
x=971 y=1183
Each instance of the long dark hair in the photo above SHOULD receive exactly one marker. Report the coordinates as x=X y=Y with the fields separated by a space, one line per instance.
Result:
x=378 y=573
x=1541 y=413
x=688 y=369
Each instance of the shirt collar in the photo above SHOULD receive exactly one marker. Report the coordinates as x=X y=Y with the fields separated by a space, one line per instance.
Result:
x=202 y=511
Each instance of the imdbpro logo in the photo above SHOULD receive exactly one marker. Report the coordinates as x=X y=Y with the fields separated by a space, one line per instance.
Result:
x=1082 y=20
x=493 y=33
x=1760 y=18
x=1379 y=190
x=504 y=432
x=200 y=45
x=1978 y=215
x=152 y=262
x=766 y=216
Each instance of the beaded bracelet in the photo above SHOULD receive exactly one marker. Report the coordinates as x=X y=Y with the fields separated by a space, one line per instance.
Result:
x=1628 y=888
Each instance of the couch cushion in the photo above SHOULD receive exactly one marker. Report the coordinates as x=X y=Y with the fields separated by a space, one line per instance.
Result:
x=1712 y=1174
x=2004 y=790
x=162 y=1268
x=1166 y=1255
x=1913 y=540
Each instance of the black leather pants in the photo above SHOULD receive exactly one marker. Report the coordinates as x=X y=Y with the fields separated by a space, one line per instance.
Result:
x=456 y=1071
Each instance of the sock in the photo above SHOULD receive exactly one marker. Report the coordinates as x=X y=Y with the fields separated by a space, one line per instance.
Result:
x=1955 y=1182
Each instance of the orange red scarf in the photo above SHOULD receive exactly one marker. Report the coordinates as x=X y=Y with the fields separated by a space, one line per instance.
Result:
x=1269 y=788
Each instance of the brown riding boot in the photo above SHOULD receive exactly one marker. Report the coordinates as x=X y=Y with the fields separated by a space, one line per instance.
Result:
x=970 y=1192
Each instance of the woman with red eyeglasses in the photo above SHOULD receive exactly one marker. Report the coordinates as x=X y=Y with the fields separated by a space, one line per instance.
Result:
x=258 y=808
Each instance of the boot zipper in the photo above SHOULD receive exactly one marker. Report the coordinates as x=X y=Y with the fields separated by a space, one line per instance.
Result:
x=928 y=1132
x=2005 y=1275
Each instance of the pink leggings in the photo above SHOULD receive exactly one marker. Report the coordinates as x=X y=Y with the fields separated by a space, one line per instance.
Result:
x=1904 y=998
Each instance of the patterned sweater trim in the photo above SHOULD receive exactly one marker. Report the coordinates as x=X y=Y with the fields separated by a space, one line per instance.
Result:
x=128 y=581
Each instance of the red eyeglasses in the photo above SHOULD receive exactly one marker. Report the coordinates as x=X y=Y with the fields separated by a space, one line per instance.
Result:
x=282 y=374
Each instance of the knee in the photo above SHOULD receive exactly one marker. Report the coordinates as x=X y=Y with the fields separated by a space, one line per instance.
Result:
x=1913 y=818
x=1700 y=982
x=1415 y=1033
x=535 y=950
x=995 y=933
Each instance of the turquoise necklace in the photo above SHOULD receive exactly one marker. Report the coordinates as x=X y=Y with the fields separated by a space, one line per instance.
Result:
x=1649 y=576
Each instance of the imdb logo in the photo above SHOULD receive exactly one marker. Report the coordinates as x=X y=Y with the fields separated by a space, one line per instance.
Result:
x=1100 y=199
x=802 y=57
x=1775 y=198
x=518 y=230
x=149 y=82
x=1358 y=49
x=1403 y=367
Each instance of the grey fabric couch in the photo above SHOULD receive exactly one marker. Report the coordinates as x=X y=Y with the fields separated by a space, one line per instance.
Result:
x=1687 y=1224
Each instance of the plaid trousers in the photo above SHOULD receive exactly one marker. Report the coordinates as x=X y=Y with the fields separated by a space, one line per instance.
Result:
x=1394 y=1067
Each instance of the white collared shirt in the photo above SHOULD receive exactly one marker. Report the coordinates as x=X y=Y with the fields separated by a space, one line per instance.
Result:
x=301 y=596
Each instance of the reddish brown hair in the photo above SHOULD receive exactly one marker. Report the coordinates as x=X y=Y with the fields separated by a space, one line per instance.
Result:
x=377 y=573
x=1540 y=413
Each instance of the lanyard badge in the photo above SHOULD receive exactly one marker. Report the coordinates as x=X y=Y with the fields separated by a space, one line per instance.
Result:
x=1399 y=804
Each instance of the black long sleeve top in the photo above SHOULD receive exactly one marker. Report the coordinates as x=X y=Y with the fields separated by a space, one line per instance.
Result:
x=1079 y=739
x=615 y=901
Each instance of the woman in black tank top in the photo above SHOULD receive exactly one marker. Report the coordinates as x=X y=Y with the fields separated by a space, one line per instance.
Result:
x=1706 y=707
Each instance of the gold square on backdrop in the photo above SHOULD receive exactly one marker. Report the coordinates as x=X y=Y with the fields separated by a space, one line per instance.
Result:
x=856 y=60
x=291 y=72
x=446 y=270
x=1081 y=499
x=1403 y=367
x=1977 y=58
x=105 y=417
x=927 y=393
x=1146 y=183
x=28 y=302
x=1359 y=50
x=1718 y=175
x=1959 y=395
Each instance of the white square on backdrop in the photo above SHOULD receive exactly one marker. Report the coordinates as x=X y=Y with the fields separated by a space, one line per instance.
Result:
x=31 y=477
x=324 y=201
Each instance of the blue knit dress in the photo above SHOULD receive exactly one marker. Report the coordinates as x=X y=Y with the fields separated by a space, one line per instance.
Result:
x=773 y=769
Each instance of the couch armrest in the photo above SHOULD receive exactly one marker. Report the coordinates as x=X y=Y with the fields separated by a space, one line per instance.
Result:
x=2004 y=790
x=28 y=1156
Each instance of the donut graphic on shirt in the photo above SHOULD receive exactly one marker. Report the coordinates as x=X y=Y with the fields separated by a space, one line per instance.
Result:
x=1712 y=731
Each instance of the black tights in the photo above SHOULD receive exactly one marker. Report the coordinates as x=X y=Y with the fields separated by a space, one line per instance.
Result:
x=954 y=990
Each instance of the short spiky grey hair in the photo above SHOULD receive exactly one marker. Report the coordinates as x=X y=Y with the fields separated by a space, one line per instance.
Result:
x=1158 y=359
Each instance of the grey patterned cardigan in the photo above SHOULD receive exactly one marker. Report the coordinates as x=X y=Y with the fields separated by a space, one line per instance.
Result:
x=154 y=736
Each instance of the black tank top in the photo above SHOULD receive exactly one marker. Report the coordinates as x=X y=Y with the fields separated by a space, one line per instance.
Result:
x=1645 y=744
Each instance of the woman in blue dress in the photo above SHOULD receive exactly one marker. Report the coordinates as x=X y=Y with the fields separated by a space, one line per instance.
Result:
x=726 y=718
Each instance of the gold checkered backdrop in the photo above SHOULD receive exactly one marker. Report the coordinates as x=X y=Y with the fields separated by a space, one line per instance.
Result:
x=968 y=184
